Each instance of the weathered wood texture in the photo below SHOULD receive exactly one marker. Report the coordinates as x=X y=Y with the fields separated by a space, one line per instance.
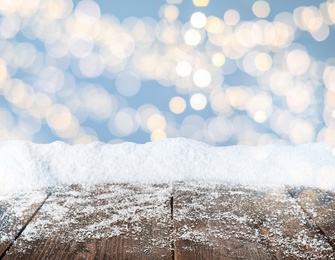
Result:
x=320 y=206
x=223 y=222
x=105 y=222
x=189 y=221
x=16 y=211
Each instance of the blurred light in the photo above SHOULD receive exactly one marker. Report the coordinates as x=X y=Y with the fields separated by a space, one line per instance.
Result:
x=58 y=48
x=311 y=18
x=214 y=25
x=321 y=34
x=45 y=42
x=156 y=122
x=9 y=27
x=260 y=107
x=200 y=2
x=97 y=102
x=191 y=126
x=192 y=37
x=87 y=11
x=58 y=117
x=3 y=72
x=327 y=135
x=243 y=35
x=167 y=32
x=298 y=99
x=281 y=121
x=58 y=9
x=261 y=9
x=176 y=2
x=198 y=101
x=157 y=135
x=237 y=97
x=146 y=111
x=127 y=84
x=30 y=125
x=301 y=131
x=6 y=120
x=329 y=77
x=331 y=11
x=164 y=74
x=183 y=68
x=298 y=61
x=198 y=20
x=20 y=94
x=125 y=122
x=219 y=129
x=219 y=102
x=231 y=17
x=171 y=12
x=177 y=105
x=24 y=55
x=92 y=66
x=80 y=46
x=218 y=59
x=120 y=45
x=9 y=7
x=40 y=106
x=51 y=79
x=202 y=78
x=263 y=61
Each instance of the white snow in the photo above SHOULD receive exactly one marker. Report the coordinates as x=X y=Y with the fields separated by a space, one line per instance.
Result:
x=25 y=166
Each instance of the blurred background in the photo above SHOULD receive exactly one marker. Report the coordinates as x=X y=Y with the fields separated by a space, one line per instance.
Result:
x=221 y=72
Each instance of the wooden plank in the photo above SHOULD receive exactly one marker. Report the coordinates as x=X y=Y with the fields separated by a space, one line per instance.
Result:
x=320 y=206
x=102 y=222
x=16 y=210
x=213 y=221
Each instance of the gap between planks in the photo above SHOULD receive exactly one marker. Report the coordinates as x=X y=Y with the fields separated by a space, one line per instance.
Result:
x=291 y=192
x=172 y=227
x=24 y=227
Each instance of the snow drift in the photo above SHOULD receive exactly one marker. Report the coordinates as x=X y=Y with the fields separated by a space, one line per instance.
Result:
x=26 y=166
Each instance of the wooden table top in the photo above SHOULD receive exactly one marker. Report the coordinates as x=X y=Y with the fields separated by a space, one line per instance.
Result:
x=182 y=220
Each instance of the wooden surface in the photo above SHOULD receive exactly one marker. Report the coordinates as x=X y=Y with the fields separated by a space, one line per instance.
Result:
x=320 y=206
x=16 y=212
x=221 y=222
x=104 y=222
x=178 y=221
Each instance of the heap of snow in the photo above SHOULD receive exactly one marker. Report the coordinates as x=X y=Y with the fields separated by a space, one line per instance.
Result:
x=26 y=166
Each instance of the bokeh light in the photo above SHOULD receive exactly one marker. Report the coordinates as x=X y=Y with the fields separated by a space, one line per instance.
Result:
x=219 y=72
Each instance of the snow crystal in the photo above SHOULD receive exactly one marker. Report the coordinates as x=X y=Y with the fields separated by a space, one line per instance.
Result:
x=25 y=166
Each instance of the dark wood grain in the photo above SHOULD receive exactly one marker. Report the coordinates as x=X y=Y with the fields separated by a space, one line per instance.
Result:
x=214 y=221
x=101 y=222
x=320 y=206
x=16 y=210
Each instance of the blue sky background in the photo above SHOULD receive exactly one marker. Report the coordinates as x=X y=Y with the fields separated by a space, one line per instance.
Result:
x=116 y=71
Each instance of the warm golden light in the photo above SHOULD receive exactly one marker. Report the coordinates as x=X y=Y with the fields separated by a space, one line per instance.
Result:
x=201 y=2
x=218 y=59
x=177 y=105
x=261 y=9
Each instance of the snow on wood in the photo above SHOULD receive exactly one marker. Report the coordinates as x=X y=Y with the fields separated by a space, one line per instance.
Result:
x=117 y=221
x=188 y=220
x=216 y=221
x=16 y=211
x=320 y=206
